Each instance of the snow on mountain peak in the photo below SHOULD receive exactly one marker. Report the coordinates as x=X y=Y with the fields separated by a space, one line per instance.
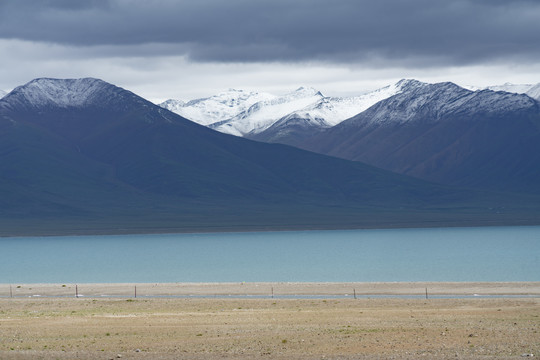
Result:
x=433 y=102
x=172 y=104
x=263 y=114
x=2 y=93
x=216 y=108
x=414 y=98
x=239 y=112
x=304 y=91
x=334 y=110
x=512 y=88
x=330 y=111
x=408 y=83
x=497 y=102
x=61 y=92
x=532 y=90
x=244 y=113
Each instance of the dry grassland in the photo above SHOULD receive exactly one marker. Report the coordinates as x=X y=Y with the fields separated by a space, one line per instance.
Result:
x=60 y=328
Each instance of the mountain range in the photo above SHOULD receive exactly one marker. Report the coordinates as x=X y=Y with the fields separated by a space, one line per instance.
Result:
x=85 y=156
x=444 y=133
x=249 y=114
x=271 y=118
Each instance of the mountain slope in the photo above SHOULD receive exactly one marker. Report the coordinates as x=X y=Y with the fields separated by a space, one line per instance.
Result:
x=263 y=114
x=446 y=134
x=217 y=108
x=80 y=154
x=534 y=92
x=325 y=113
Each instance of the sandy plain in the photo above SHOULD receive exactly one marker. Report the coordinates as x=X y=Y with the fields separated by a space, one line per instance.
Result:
x=223 y=327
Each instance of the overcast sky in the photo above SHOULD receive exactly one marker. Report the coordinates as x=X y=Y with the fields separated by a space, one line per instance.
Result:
x=193 y=48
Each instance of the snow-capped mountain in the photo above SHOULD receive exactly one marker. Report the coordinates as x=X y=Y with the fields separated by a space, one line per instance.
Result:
x=263 y=114
x=61 y=93
x=2 y=93
x=333 y=110
x=217 y=108
x=432 y=102
x=444 y=133
x=295 y=117
x=325 y=113
x=76 y=108
x=68 y=94
x=532 y=90
x=250 y=113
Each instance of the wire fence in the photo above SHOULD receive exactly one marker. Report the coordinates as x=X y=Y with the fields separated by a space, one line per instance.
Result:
x=272 y=290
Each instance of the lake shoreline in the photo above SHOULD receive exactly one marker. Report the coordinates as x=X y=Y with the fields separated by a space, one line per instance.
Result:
x=6 y=233
x=269 y=289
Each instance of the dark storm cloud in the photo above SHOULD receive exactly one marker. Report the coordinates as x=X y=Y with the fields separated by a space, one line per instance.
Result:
x=432 y=31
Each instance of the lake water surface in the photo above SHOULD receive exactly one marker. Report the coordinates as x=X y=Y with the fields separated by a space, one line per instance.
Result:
x=442 y=254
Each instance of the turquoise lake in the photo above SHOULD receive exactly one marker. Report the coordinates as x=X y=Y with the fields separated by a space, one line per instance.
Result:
x=441 y=254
